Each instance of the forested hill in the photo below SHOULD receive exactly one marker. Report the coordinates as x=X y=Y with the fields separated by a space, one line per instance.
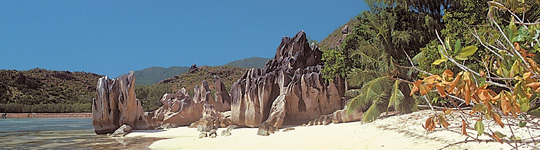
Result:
x=252 y=62
x=40 y=90
x=153 y=75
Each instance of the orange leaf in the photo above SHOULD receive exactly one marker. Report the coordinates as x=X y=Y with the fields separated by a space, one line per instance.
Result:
x=430 y=125
x=505 y=104
x=448 y=75
x=482 y=73
x=441 y=91
x=424 y=89
x=497 y=119
x=454 y=83
x=431 y=79
x=467 y=95
x=463 y=127
x=533 y=85
x=416 y=84
x=484 y=95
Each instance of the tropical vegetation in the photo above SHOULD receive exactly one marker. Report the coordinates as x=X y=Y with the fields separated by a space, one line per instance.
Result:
x=446 y=54
x=40 y=90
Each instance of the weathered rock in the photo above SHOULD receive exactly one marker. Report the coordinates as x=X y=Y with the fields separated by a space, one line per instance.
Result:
x=226 y=133
x=116 y=105
x=193 y=68
x=178 y=109
x=122 y=131
x=203 y=134
x=213 y=133
x=339 y=116
x=288 y=90
x=223 y=99
x=211 y=119
x=231 y=127
x=265 y=129
x=345 y=29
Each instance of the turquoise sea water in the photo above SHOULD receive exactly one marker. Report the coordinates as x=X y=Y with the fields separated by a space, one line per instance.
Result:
x=60 y=133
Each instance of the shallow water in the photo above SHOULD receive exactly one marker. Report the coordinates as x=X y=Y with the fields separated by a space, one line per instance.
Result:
x=61 y=133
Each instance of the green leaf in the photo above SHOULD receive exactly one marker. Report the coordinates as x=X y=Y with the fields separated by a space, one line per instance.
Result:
x=447 y=44
x=439 y=61
x=460 y=57
x=516 y=69
x=468 y=51
x=479 y=126
x=499 y=134
x=522 y=124
x=369 y=93
x=457 y=45
x=535 y=112
x=518 y=38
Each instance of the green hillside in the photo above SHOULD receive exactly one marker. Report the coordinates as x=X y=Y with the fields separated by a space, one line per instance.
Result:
x=335 y=36
x=40 y=90
x=252 y=62
x=153 y=75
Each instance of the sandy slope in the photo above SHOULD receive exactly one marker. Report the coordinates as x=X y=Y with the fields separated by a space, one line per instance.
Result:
x=395 y=132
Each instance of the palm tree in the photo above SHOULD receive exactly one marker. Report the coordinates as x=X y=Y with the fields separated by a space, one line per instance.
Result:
x=373 y=52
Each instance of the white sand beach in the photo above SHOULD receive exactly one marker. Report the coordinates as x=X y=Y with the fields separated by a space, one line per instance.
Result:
x=394 y=132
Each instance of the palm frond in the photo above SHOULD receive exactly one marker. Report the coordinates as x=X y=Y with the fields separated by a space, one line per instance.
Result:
x=396 y=97
x=376 y=108
x=357 y=77
x=372 y=92
x=352 y=93
x=372 y=59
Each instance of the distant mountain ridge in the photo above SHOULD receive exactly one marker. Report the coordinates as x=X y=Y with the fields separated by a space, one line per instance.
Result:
x=252 y=62
x=153 y=75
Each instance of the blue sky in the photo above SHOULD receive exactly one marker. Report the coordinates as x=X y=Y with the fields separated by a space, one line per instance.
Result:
x=114 y=37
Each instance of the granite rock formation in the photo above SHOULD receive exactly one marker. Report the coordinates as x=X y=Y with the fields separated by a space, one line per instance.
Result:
x=122 y=131
x=288 y=90
x=116 y=105
x=339 y=116
x=179 y=109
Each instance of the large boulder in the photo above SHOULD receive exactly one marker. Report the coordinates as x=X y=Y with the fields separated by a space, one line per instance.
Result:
x=116 y=105
x=179 y=109
x=288 y=90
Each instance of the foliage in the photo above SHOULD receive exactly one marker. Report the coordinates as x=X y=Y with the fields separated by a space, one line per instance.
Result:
x=376 y=47
x=150 y=95
x=46 y=108
x=334 y=64
x=507 y=85
x=49 y=91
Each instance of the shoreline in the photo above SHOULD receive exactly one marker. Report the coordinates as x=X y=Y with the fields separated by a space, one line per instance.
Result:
x=47 y=115
x=391 y=132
